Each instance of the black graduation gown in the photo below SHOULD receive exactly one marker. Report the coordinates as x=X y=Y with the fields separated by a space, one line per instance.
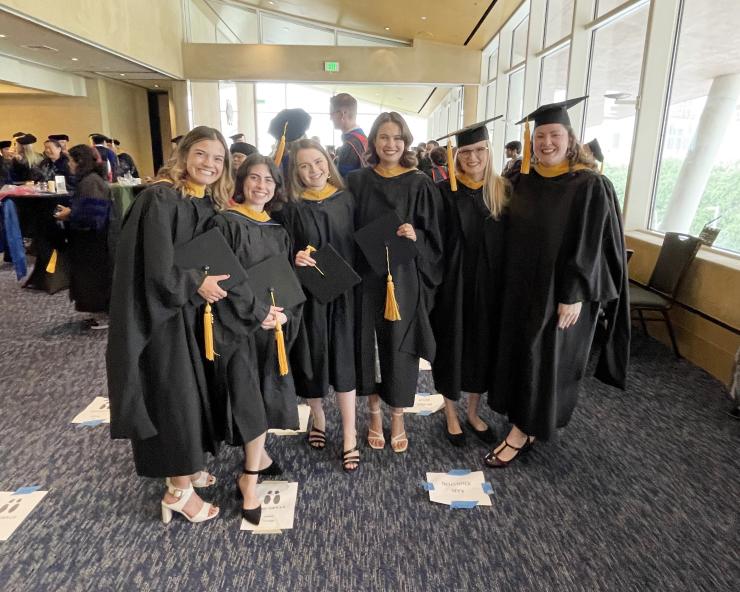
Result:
x=156 y=377
x=126 y=165
x=400 y=344
x=250 y=396
x=559 y=230
x=465 y=313
x=323 y=355
x=48 y=169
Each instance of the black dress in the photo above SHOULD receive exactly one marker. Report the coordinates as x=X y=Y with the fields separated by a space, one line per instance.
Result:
x=465 y=314
x=559 y=232
x=324 y=352
x=400 y=344
x=250 y=396
x=156 y=377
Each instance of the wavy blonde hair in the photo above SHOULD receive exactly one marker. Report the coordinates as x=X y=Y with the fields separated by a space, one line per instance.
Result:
x=496 y=189
x=296 y=186
x=31 y=157
x=175 y=169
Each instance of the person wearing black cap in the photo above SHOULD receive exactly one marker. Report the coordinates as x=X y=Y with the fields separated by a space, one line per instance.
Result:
x=288 y=126
x=174 y=142
x=6 y=162
x=593 y=149
x=403 y=333
x=157 y=386
x=343 y=114
x=108 y=156
x=563 y=262
x=55 y=162
x=126 y=164
x=465 y=312
x=238 y=137
x=321 y=212
x=27 y=160
x=258 y=393
x=513 y=151
x=239 y=152
x=63 y=139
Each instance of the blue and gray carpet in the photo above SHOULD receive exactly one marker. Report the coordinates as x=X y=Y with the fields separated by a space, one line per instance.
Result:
x=640 y=492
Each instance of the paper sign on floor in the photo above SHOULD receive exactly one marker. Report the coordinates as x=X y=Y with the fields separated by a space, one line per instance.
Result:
x=95 y=413
x=303 y=412
x=426 y=404
x=459 y=488
x=278 y=507
x=15 y=506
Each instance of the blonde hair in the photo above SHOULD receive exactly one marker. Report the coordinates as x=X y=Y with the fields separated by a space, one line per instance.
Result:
x=175 y=170
x=31 y=157
x=496 y=189
x=294 y=179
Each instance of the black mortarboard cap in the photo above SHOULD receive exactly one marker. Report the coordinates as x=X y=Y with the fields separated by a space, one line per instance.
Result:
x=5 y=144
x=235 y=137
x=58 y=137
x=26 y=139
x=381 y=232
x=276 y=274
x=211 y=250
x=19 y=134
x=331 y=277
x=596 y=150
x=98 y=138
x=116 y=142
x=298 y=123
x=242 y=148
x=471 y=134
x=552 y=112
x=176 y=139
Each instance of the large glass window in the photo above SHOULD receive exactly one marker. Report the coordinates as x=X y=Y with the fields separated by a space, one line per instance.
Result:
x=554 y=76
x=604 y=6
x=493 y=65
x=699 y=171
x=559 y=20
x=514 y=105
x=213 y=21
x=519 y=42
x=614 y=84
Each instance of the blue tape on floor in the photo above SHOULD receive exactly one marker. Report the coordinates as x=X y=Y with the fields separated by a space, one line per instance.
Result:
x=91 y=424
x=459 y=472
x=487 y=488
x=426 y=485
x=27 y=489
x=424 y=413
x=424 y=394
x=463 y=505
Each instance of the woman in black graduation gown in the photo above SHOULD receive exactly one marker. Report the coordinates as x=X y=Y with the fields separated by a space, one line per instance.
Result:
x=558 y=273
x=388 y=352
x=90 y=218
x=55 y=163
x=156 y=377
x=465 y=315
x=252 y=395
x=321 y=212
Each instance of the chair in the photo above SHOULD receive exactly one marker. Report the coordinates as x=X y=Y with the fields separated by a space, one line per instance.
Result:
x=676 y=255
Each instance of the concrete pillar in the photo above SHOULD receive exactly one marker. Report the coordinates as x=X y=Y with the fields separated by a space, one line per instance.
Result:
x=246 y=107
x=205 y=101
x=703 y=151
x=470 y=104
x=179 y=106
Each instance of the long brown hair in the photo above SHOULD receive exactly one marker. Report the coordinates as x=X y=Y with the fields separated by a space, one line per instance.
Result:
x=496 y=189
x=575 y=154
x=278 y=198
x=408 y=158
x=296 y=185
x=175 y=168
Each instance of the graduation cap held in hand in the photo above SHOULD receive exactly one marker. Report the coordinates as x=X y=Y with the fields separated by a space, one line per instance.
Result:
x=331 y=277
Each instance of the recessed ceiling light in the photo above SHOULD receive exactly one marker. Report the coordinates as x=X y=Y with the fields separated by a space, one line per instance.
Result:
x=156 y=86
x=423 y=18
x=387 y=28
x=75 y=59
x=122 y=75
x=2 y=36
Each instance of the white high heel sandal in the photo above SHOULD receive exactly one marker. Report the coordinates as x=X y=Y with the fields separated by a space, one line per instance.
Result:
x=205 y=479
x=183 y=496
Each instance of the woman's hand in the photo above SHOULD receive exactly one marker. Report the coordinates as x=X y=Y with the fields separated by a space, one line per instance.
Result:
x=303 y=259
x=272 y=318
x=407 y=231
x=62 y=213
x=568 y=314
x=210 y=290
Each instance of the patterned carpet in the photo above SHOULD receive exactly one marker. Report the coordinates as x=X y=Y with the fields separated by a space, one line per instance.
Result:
x=640 y=492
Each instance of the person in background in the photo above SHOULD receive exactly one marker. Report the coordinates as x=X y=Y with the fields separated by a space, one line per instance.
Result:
x=174 y=143
x=438 y=171
x=593 y=149
x=55 y=163
x=332 y=153
x=6 y=162
x=27 y=160
x=159 y=397
x=89 y=218
x=63 y=140
x=343 y=114
x=15 y=137
x=239 y=153
x=286 y=127
x=422 y=156
x=126 y=164
x=514 y=154
x=108 y=156
x=238 y=137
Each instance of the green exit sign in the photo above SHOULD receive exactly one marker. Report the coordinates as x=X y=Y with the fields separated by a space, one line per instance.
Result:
x=331 y=66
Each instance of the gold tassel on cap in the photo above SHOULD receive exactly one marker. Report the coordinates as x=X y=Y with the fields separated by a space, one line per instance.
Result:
x=527 y=151
x=282 y=355
x=51 y=267
x=281 y=146
x=208 y=333
x=450 y=168
x=391 y=305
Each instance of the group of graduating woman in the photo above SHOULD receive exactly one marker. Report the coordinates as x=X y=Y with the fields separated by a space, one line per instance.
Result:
x=503 y=295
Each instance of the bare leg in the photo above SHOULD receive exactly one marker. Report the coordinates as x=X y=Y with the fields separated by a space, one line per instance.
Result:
x=399 y=441
x=316 y=436
x=346 y=401
x=473 y=405
x=516 y=438
x=453 y=423
x=195 y=503
x=375 y=434
x=253 y=455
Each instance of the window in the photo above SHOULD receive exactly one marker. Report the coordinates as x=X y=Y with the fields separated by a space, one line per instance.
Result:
x=493 y=65
x=604 y=6
x=699 y=168
x=213 y=21
x=519 y=42
x=614 y=83
x=228 y=108
x=491 y=100
x=514 y=104
x=559 y=20
x=554 y=76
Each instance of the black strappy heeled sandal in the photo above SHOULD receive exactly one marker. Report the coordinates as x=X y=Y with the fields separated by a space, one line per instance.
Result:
x=492 y=460
x=349 y=458
x=317 y=438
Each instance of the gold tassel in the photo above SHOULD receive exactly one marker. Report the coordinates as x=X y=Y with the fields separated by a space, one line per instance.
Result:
x=208 y=333
x=281 y=146
x=391 y=305
x=282 y=355
x=51 y=267
x=450 y=169
x=527 y=156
